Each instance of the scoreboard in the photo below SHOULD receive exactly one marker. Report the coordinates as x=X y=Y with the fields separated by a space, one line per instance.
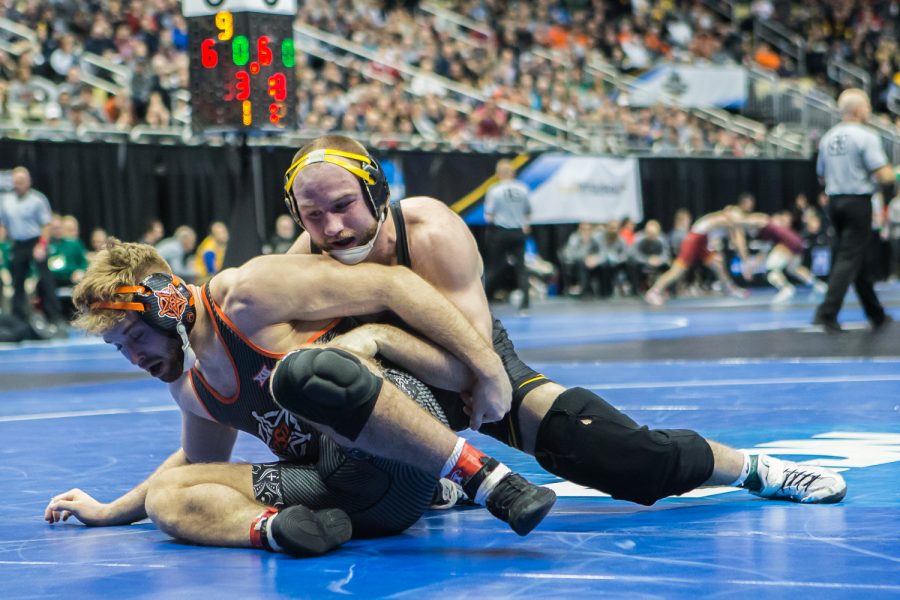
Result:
x=242 y=64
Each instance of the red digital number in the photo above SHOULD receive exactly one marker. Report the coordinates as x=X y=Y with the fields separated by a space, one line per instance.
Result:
x=209 y=58
x=276 y=111
x=263 y=52
x=229 y=92
x=242 y=87
x=278 y=87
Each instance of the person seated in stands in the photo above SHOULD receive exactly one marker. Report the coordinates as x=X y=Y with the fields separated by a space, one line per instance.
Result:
x=210 y=255
x=178 y=251
x=66 y=254
x=5 y=276
x=283 y=237
x=97 y=242
x=613 y=258
x=649 y=256
x=580 y=258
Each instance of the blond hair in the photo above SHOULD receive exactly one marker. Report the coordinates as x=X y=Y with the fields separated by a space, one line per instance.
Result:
x=120 y=263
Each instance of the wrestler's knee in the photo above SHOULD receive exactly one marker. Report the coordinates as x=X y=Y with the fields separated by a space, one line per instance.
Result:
x=327 y=386
x=585 y=440
x=163 y=500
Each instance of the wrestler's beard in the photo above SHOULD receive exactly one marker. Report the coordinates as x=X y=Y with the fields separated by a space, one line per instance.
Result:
x=174 y=363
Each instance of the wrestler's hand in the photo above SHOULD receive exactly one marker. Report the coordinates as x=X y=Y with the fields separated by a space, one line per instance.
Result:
x=489 y=400
x=362 y=341
x=80 y=505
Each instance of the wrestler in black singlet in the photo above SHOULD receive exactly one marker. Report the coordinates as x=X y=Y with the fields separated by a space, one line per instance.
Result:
x=381 y=496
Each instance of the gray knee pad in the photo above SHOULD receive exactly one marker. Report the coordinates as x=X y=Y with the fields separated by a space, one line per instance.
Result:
x=327 y=386
x=584 y=439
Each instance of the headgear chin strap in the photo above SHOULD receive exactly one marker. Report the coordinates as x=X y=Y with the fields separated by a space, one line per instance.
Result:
x=371 y=178
x=166 y=304
x=357 y=254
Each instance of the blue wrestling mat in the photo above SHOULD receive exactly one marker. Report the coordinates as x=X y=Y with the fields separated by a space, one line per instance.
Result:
x=78 y=415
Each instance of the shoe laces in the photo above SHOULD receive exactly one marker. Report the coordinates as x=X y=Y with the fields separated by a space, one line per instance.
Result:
x=508 y=490
x=799 y=479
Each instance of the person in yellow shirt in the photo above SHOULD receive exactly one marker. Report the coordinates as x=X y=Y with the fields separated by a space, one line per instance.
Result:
x=211 y=252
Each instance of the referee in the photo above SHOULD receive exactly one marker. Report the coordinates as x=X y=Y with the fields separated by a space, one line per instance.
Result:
x=507 y=211
x=849 y=155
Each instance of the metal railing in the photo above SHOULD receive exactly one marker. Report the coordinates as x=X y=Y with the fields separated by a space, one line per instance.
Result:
x=782 y=39
x=15 y=38
x=807 y=111
x=104 y=74
x=848 y=75
x=535 y=121
x=615 y=138
x=723 y=8
x=457 y=19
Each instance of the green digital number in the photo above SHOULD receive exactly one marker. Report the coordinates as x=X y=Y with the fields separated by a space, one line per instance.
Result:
x=240 y=50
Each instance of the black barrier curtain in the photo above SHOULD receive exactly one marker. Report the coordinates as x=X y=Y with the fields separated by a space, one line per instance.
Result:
x=120 y=187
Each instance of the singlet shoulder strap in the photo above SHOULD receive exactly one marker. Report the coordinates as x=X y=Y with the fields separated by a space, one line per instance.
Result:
x=403 y=257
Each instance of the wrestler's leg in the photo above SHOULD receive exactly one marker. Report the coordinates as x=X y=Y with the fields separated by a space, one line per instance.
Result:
x=577 y=435
x=345 y=398
x=675 y=272
x=210 y=504
x=217 y=504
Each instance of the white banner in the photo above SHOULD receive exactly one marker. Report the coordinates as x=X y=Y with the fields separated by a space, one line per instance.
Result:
x=691 y=85
x=570 y=189
x=202 y=8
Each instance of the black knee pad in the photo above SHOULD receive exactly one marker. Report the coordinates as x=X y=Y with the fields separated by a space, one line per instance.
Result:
x=584 y=439
x=327 y=386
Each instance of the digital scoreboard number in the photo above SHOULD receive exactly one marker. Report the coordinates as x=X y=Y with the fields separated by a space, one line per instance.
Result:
x=242 y=64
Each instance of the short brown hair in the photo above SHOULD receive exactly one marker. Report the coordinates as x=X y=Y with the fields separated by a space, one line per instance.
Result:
x=333 y=142
x=120 y=263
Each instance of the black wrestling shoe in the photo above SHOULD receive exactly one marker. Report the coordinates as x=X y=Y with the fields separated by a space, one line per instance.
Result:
x=885 y=321
x=828 y=325
x=302 y=532
x=520 y=503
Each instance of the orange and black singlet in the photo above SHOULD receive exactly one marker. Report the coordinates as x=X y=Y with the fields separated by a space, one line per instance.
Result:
x=251 y=407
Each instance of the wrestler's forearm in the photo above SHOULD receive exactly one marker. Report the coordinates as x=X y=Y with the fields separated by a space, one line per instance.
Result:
x=129 y=507
x=429 y=363
x=430 y=313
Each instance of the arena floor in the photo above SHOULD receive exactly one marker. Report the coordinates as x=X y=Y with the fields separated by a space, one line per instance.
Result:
x=76 y=414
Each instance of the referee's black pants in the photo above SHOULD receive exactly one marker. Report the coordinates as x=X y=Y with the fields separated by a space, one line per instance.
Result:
x=20 y=263
x=851 y=217
x=502 y=242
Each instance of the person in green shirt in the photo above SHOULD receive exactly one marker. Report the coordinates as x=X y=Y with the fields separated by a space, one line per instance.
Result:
x=67 y=255
x=5 y=277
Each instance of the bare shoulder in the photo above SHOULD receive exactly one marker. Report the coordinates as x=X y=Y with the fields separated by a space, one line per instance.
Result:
x=430 y=222
x=301 y=245
x=442 y=248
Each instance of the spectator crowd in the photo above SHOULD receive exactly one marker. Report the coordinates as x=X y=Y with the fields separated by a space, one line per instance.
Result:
x=534 y=56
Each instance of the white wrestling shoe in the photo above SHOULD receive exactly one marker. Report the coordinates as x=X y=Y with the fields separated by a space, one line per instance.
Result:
x=654 y=298
x=737 y=292
x=783 y=295
x=448 y=494
x=820 y=287
x=786 y=480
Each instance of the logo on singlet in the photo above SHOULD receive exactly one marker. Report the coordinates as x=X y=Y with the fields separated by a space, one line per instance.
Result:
x=282 y=432
x=263 y=375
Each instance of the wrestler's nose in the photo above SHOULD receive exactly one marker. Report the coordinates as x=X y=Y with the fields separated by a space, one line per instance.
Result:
x=332 y=224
